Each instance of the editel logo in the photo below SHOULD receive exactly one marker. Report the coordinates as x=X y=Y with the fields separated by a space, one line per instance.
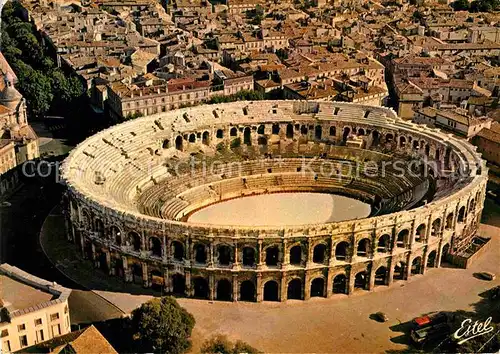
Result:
x=469 y=330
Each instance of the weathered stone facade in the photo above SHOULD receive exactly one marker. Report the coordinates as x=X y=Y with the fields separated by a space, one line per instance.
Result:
x=128 y=198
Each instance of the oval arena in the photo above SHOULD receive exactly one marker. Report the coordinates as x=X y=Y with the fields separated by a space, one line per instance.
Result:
x=131 y=190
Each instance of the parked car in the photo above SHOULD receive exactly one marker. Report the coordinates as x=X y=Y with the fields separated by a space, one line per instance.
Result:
x=431 y=319
x=487 y=276
x=381 y=317
x=433 y=332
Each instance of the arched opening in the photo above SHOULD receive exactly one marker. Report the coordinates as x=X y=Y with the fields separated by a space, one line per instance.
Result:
x=346 y=133
x=318 y=287
x=103 y=265
x=384 y=244
x=219 y=134
x=402 y=142
x=247 y=138
x=436 y=227
x=375 y=138
x=248 y=256
x=399 y=271
x=116 y=235
x=224 y=255
x=247 y=291
x=157 y=280
x=339 y=284
x=205 y=138
x=200 y=253
x=296 y=255
x=178 y=284
x=272 y=255
x=427 y=150
x=420 y=233
x=444 y=253
x=289 y=131
x=224 y=290
x=271 y=291
x=361 y=132
x=363 y=248
x=416 y=265
x=380 y=276
x=135 y=240
x=99 y=228
x=177 y=250
x=192 y=138
x=360 y=280
x=155 y=246
x=261 y=129
x=333 y=131
x=438 y=154
x=233 y=131
x=118 y=266
x=319 y=252
x=261 y=140
x=294 y=289
x=303 y=130
x=431 y=260
x=449 y=221
x=415 y=145
x=86 y=220
x=179 y=142
x=341 y=251
x=200 y=287
x=137 y=273
x=276 y=129
x=472 y=205
x=318 y=132
x=461 y=214
x=402 y=239
x=389 y=138
x=166 y=144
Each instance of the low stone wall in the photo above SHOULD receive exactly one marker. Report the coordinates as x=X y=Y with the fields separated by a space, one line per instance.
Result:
x=465 y=262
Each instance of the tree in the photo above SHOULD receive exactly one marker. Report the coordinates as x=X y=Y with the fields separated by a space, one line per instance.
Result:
x=161 y=325
x=461 y=5
x=220 y=344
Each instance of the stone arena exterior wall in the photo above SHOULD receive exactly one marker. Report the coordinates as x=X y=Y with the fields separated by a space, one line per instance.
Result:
x=215 y=261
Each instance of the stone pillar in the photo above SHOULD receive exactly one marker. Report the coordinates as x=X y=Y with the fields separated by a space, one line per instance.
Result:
x=167 y=282
x=93 y=253
x=258 y=287
x=438 y=255
x=408 y=267
x=350 y=282
x=127 y=272
x=425 y=258
x=412 y=234
x=164 y=248
x=188 y=255
x=390 y=278
x=394 y=240
x=307 y=286
x=286 y=254
x=260 y=251
x=82 y=245
x=235 y=288
x=371 y=279
x=211 y=286
x=309 y=257
x=284 y=287
x=211 y=254
x=428 y=230
x=329 y=283
x=189 y=288
x=108 y=262
x=143 y=242
x=236 y=263
x=145 y=275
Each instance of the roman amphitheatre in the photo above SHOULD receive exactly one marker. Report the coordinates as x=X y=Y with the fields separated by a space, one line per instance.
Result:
x=272 y=200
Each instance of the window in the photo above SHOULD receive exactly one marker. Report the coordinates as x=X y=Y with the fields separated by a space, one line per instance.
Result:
x=23 y=340
x=6 y=346
x=54 y=316
x=66 y=309
x=39 y=336
x=38 y=322
x=4 y=333
x=21 y=327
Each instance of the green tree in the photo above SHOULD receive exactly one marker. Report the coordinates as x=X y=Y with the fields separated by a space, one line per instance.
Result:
x=461 y=5
x=36 y=88
x=161 y=325
x=220 y=344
